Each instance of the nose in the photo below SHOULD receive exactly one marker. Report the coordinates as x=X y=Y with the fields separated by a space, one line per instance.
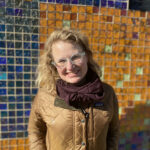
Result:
x=69 y=65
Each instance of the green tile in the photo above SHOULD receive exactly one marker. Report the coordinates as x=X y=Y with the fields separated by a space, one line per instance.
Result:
x=127 y=56
x=137 y=97
x=139 y=71
x=120 y=111
x=108 y=49
x=66 y=23
x=126 y=77
x=102 y=70
x=147 y=121
x=120 y=84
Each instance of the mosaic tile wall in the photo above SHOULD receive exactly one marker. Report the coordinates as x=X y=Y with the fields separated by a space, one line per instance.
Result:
x=119 y=38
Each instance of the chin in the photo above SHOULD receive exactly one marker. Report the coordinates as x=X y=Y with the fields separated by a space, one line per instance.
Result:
x=73 y=81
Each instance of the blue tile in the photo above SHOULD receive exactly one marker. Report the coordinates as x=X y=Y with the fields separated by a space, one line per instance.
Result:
x=19 y=113
x=2 y=60
x=89 y=2
x=10 y=45
x=34 y=61
x=10 y=11
x=10 y=28
x=27 y=53
x=26 y=76
x=18 y=12
x=27 y=112
x=51 y=0
x=19 y=106
x=18 y=45
x=5 y=135
x=11 y=84
x=3 y=113
x=34 y=68
x=27 y=105
x=12 y=106
x=35 y=54
x=11 y=91
x=2 y=68
x=19 y=76
x=19 y=98
x=124 y=6
x=10 y=60
x=27 y=46
x=103 y=3
x=2 y=83
x=27 y=68
x=2 y=52
x=27 y=91
x=96 y=2
x=2 y=36
x=18 y=83
x=4 y=121
x=12 y=128
x=82 y=2
x=118 y=4
x=12 y=120
x=27 y=37
x=3 y=91
x=10 y=68
x=11 y=99
x=20 y=127
x=35 y=46
x=10 y=52
x=18 y=52
x=66 y=1
x=2 y=3
x=11 y=113
x=3 y=76
x=19 y=91
x=11 y=76
x=12 y=135
x=19 y=120
x=27 y=5
x=43 y=0
x=4 y=128
x=27 y=61
x=34 y=5
x=19 y=68
x=27 y=83
x=3 y=106
x=2 y=44
x=28 y=98
x=34 y=37
x=18 y=60
x=111 y=4
x=34 y=91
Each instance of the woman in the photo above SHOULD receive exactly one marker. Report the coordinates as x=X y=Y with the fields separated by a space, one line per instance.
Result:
x=73 y=109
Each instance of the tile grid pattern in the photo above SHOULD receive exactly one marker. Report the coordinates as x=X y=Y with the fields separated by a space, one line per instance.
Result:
x=119 y=40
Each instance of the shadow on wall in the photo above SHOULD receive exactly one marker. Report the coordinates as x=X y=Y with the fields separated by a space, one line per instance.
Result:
x=135 y=128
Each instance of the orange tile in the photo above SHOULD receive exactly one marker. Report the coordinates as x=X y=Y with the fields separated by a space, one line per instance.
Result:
x=59 y=24
x=117 y=12
x=5 y=142
x=116 y=27
x=43 y=30
x=74 y=24
x=102 y=26
x=137 y=14
x=66 y=8
x=117 y=19
x=129 y=28
x=74 y=9
x=43 y=22
x=42 y=14
x=124 y=20
x=51 y=7
x=110 y=11
x=81 y=17
x=20 y=148
x=95 y=33
x=88 y=25
x=81 y=9
x=131 y=13
x=109 y=27
x=66 y=16
x=50 y=30
x=51 y=15
x=59 y=16
x=81 y=25
x=43 y=6
x=136 y=28
x=73 y=16
x=21 y=141
x=95 y=26
x=43 y=38
x=96 y=18
x=89 y=9
x=89 y=17
x=129 y=21
x=51 y=23
x=103 y=11
x=59 y=7
x=13 y=142
x=13 y=148
x=108 y=41
x=103 y=19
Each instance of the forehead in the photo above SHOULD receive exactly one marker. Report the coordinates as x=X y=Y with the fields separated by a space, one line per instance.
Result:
x=61 y=49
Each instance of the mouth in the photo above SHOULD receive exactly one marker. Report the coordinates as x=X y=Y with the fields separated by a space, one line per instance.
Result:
x=72 y=74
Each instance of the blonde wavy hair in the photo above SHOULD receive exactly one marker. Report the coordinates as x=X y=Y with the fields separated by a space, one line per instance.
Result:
x=46 y=71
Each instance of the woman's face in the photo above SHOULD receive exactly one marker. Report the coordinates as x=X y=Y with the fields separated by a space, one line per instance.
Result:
x=70 y=61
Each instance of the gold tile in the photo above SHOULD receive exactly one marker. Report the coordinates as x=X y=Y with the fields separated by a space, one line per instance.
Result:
x=67 y=16
x=43 y=22
x=74 y=9
x=59 y=24
x=59 y=7
x=96 y=18
x=81 y=9
x=81 y=17
x=51 y=15
x=59 y=16
x=51 y=7
x=51 y=23
x=74 y=24
x=89 y=17
x=89 y=9
x=95 y=26
x=43 y=6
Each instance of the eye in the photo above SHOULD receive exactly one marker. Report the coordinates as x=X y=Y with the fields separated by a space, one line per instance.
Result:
x=76 y=57
x=61 y=61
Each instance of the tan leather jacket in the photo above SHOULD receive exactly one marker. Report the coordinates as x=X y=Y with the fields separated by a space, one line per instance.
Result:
x=53 y=125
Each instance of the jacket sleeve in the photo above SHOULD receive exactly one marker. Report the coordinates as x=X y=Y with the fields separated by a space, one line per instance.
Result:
x=113 y=131
x=36 y=128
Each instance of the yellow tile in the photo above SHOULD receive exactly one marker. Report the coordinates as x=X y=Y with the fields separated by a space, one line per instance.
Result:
x=136 y=29
x=43 y=6
x=51 y=7
x=5 y=142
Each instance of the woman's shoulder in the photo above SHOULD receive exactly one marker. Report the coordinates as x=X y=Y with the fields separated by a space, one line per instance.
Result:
x=107 y=87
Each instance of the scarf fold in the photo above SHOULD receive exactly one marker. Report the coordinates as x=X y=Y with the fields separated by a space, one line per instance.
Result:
x=83 y=94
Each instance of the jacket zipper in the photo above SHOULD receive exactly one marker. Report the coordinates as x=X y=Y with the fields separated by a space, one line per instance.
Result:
x=86 y=114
